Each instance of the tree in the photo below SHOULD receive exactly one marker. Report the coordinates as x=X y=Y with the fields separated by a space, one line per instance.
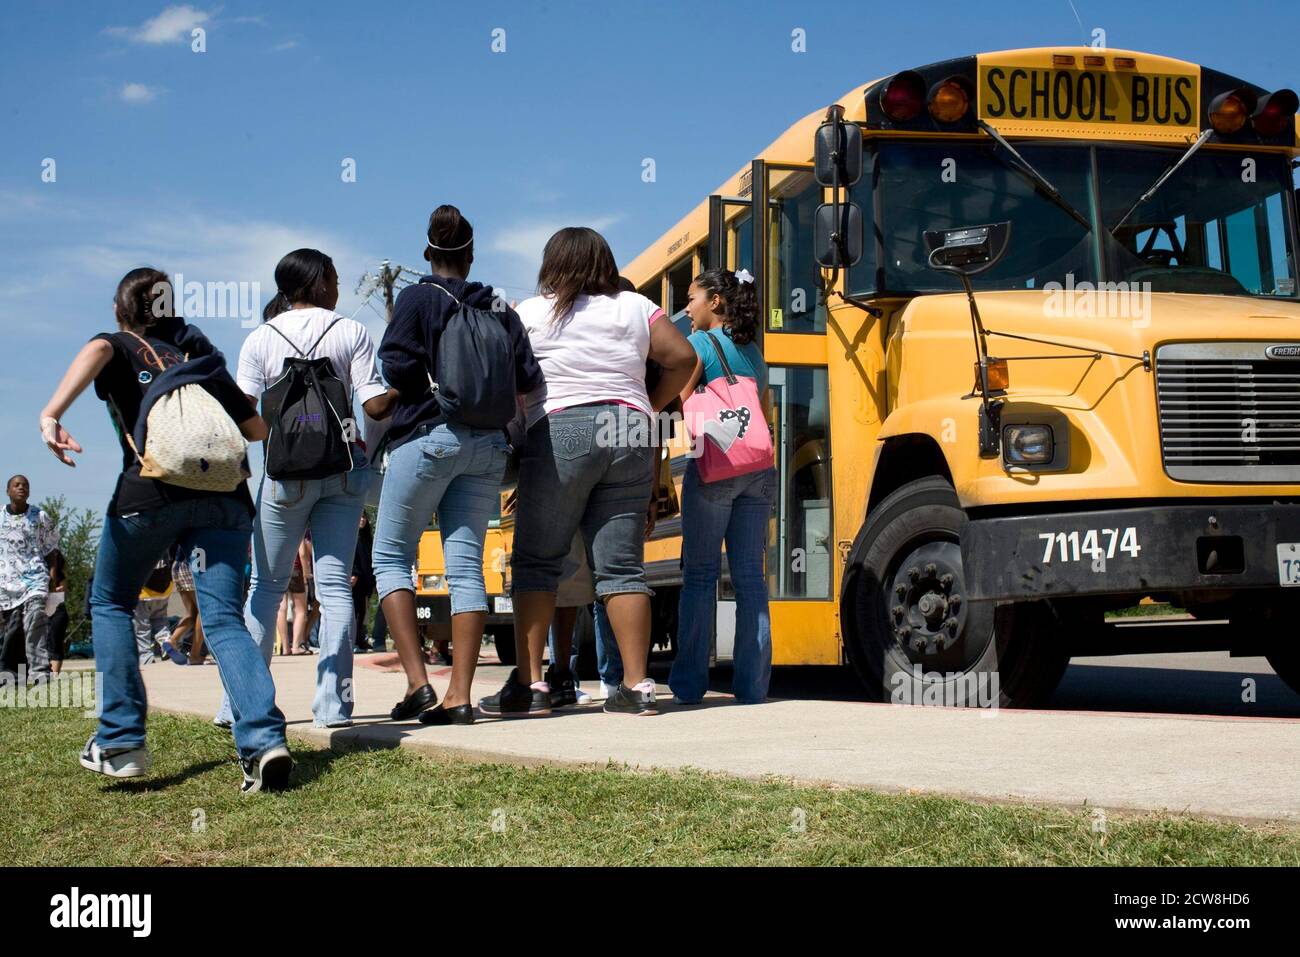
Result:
x=78 y=541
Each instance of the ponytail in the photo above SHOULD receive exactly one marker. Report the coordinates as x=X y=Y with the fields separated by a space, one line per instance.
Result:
x=739 y=302
x=279 y=303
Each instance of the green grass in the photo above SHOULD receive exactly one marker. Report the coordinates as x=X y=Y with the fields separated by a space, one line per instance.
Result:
x=393 y=807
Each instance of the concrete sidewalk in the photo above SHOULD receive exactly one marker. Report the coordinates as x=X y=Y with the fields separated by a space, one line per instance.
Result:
x=1234 y=767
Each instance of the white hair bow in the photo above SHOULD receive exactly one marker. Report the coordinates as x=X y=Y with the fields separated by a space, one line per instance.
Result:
x=744 y=275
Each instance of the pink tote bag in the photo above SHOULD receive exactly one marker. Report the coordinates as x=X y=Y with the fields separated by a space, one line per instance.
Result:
x=729 y=435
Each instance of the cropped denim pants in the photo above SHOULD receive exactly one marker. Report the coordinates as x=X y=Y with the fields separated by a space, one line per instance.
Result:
x=588 y=467
x=455 y=472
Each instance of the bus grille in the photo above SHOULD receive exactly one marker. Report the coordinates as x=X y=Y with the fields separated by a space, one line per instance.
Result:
x=1229 y=412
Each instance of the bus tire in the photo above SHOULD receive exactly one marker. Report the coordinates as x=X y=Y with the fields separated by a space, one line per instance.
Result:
x=1009 y=656
x=503 y=638
x=1286 y=662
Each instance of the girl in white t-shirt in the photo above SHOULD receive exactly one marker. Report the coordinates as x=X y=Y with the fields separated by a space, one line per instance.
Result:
x=587 y=461
x=300 y=317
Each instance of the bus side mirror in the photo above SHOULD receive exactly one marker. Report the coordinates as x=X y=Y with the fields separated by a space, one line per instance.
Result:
x=837 y=245
x=967 y=250
x=837 y=144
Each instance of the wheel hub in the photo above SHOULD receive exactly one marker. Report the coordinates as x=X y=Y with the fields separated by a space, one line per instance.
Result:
x=927 y=608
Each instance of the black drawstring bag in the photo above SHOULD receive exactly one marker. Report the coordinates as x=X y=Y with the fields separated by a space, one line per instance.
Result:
x=310 y=417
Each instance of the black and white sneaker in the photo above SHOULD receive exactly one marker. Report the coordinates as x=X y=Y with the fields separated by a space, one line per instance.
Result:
x=115 y=762
x=518 y=701
x=269 y=771
x=564 y=689
x=637 y=700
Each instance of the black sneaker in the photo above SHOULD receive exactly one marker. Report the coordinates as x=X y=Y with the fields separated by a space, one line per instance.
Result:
x=269 y=771
x=564 y=690
x=517 y=701
x=636 y=701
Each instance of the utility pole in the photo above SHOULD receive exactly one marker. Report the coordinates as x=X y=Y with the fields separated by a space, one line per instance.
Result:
x=385 y=282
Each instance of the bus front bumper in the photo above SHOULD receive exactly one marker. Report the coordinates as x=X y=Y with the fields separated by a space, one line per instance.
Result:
x=1132 y=550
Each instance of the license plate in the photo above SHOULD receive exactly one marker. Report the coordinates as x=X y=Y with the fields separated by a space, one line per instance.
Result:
x=1288 y=563
x=506 y=606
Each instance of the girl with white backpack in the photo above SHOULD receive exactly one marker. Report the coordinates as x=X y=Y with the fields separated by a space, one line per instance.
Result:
x=209 y=517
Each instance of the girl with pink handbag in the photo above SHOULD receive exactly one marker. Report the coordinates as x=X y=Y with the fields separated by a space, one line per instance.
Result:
x=728 y=490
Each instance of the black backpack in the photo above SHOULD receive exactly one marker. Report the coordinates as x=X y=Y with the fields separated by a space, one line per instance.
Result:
x=310 y=416
x=475 y=368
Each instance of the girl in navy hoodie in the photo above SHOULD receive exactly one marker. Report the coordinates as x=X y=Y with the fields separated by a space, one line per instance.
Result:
x=439 y=465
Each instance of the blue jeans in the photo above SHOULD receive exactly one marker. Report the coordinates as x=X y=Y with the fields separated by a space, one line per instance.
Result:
x=379 y=636
x=456 y=472
x=214 y=532
x=285 y=509
x=736 y=510
x=609 y=663
x=608 y=660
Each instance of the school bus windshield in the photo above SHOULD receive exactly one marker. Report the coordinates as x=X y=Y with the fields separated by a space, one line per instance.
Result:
x=1218 y=225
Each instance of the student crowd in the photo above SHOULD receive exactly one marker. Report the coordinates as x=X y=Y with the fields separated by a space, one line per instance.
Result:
x=564 y=388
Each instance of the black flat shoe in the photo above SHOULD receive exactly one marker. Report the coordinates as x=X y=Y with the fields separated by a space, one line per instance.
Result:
x=460 y=714
x=421 y=699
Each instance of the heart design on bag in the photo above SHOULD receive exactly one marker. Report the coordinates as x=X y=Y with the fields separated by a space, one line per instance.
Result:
x=730 y=425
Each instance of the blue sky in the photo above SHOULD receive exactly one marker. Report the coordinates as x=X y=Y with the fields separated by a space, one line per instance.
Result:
x=215 y=164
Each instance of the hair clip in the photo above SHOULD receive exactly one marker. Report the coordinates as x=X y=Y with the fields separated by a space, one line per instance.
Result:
x=744 y=275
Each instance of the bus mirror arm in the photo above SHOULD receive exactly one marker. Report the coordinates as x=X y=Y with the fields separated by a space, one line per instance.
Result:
x=963 y=252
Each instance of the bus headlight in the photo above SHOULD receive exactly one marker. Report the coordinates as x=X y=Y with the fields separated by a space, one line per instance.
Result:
x=1028 y=444
x=431 y=582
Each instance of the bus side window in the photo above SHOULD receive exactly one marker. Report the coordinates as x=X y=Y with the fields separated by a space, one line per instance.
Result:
x=679 y=281
x=654 y=291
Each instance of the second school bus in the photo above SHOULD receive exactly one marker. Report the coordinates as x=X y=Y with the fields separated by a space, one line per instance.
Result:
x=966 y=488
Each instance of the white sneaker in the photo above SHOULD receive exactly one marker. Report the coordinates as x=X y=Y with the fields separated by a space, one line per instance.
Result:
x=607 y=690
x=584 y=698
x=269 y=771
x=115 y=762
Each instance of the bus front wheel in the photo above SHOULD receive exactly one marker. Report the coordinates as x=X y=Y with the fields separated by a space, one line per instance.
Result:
x=911 y=635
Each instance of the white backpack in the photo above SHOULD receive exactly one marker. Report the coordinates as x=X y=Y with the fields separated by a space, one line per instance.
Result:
x=190 y=439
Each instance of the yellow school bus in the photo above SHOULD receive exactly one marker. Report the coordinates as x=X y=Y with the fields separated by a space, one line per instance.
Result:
x=969 y=483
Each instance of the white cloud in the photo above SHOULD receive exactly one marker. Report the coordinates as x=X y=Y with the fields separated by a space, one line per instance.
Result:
x=286 y=45
x=170 y=26
x=136 y=93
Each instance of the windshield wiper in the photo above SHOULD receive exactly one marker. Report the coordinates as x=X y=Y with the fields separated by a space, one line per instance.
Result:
x=1200 y=141
x=1023 y=165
